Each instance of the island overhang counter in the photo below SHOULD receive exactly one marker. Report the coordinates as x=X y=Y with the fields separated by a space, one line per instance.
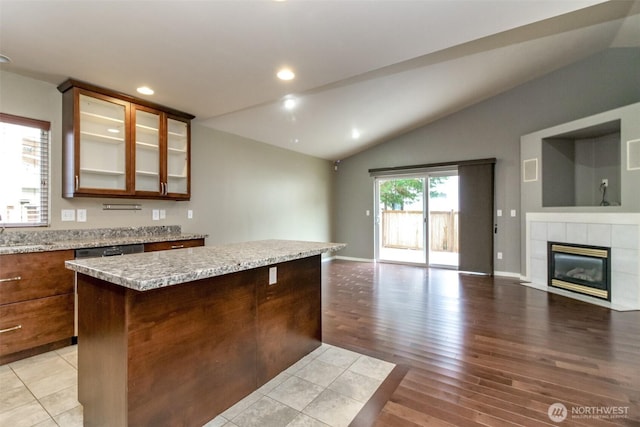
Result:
x=176 y=337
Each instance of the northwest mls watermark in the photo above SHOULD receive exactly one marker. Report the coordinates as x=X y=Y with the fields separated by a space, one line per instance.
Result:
x=558 y=412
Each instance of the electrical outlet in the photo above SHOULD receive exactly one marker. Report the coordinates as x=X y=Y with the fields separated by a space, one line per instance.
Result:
x=499 y=212
x=81 y=214
x=605 y=182
x=499 y=255
x=189 y=214
x=513 y=212
x=163 y=214
x=273 y=275
x=155 y=214
x=68 y=215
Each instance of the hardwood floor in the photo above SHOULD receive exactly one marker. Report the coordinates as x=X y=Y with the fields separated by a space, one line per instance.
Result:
x=482 y=350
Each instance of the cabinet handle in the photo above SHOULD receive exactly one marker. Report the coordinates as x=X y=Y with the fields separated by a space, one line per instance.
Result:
x=11 y=279
x=162 y=188
x=15 y=328
x=177 y=246
x=77 y=183
x=166 y=188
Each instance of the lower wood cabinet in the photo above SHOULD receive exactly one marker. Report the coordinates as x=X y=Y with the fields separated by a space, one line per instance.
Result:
x=182 y=354
x=177 y=244
x=30 y=324
x=36 y=303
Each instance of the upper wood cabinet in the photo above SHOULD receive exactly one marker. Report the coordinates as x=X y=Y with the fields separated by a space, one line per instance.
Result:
x=116 y=145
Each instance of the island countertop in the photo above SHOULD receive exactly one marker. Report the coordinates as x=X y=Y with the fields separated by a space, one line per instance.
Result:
x=152 y=270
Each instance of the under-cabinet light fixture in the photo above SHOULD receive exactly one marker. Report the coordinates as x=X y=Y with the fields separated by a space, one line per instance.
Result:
x=4 y=59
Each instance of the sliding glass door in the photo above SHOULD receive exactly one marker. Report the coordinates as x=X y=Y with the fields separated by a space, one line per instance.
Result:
x=400 y=219
x=443 y=219
x=417 y=219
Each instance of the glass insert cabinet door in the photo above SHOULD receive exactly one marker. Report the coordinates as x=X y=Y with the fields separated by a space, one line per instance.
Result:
x=147 y=151
x=177 y=157
x=102 y=144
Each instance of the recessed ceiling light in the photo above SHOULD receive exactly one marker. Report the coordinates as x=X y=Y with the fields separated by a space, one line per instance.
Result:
x=4 y=59
x=286 y=74
x=145 y=90
x=290 y=104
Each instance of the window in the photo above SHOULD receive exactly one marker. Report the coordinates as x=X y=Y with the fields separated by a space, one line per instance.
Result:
x=24 y=171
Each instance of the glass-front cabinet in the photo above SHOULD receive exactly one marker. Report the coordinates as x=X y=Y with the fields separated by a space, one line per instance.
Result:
x=101 y=145
x=147 y=151
x=119 y=146
x=177 y=157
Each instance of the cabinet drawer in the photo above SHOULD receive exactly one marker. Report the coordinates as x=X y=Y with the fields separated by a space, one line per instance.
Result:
x=33 y=323
x=34 y=275
x=178 y=244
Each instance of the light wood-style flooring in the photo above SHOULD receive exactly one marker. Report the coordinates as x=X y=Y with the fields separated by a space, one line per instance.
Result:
x=482 y=350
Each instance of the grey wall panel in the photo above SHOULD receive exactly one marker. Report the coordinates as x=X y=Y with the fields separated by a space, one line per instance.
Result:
x=491 y=128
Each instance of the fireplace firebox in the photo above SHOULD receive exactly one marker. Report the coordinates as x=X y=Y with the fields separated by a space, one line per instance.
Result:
x=580 y=268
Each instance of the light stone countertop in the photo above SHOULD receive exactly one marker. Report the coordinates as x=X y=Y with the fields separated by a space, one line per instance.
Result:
x=63 y=245
x=59 y=240
x=152 y=270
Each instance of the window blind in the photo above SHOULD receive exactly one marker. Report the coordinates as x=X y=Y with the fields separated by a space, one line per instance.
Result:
x=24 y=171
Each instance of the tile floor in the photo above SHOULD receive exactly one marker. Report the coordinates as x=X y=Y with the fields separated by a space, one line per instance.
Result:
x=328 y=387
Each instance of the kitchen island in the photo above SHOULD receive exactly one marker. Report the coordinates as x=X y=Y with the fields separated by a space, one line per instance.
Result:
x=176 y=337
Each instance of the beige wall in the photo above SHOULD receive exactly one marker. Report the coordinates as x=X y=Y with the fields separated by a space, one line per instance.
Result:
x=241 y=189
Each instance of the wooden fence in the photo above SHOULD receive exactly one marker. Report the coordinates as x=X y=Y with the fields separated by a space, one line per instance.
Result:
x=402 y=229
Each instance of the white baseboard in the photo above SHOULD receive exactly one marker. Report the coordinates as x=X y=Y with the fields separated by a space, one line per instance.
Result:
x=507 y=274
x=346 y=258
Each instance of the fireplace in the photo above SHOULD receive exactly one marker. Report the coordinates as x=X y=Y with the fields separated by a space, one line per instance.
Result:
x=580 y=268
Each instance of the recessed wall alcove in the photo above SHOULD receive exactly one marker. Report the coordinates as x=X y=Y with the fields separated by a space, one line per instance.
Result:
x=563 y=169
x=564 y=166
x=582 y=167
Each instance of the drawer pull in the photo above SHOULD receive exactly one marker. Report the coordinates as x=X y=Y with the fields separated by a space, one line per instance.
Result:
x=11 y=279
x=177 y=246
x=15 y=328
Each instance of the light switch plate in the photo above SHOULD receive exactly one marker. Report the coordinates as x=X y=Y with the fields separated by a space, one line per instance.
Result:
x=68 y=215
x=189 y=214
x=155 y=214
x=163 y=214
x=499 y=213
x=81 y=214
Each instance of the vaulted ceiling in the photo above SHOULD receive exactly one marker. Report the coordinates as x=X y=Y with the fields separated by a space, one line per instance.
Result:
x=366 y=71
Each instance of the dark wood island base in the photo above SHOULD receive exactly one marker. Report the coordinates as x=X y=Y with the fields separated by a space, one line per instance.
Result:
x=182 y=354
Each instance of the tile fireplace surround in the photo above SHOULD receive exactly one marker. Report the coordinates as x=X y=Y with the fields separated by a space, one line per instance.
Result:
x=619 y=231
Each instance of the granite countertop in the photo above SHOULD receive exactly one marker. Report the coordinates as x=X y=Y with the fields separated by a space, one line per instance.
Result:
x=58 y=240
x=94 y=243
x=154 y=270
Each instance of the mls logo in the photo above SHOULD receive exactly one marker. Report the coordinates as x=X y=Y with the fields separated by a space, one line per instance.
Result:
x=557 y=412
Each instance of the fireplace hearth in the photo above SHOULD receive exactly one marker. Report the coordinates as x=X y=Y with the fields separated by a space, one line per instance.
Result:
x=580 y=268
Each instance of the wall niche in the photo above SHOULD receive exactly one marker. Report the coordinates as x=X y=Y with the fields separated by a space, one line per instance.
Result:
x=582 y=167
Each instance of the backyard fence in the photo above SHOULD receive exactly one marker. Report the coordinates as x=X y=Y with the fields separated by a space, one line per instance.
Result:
x=402 y=229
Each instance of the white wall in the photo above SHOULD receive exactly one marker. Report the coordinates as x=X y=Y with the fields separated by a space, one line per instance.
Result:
x=241 y=189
